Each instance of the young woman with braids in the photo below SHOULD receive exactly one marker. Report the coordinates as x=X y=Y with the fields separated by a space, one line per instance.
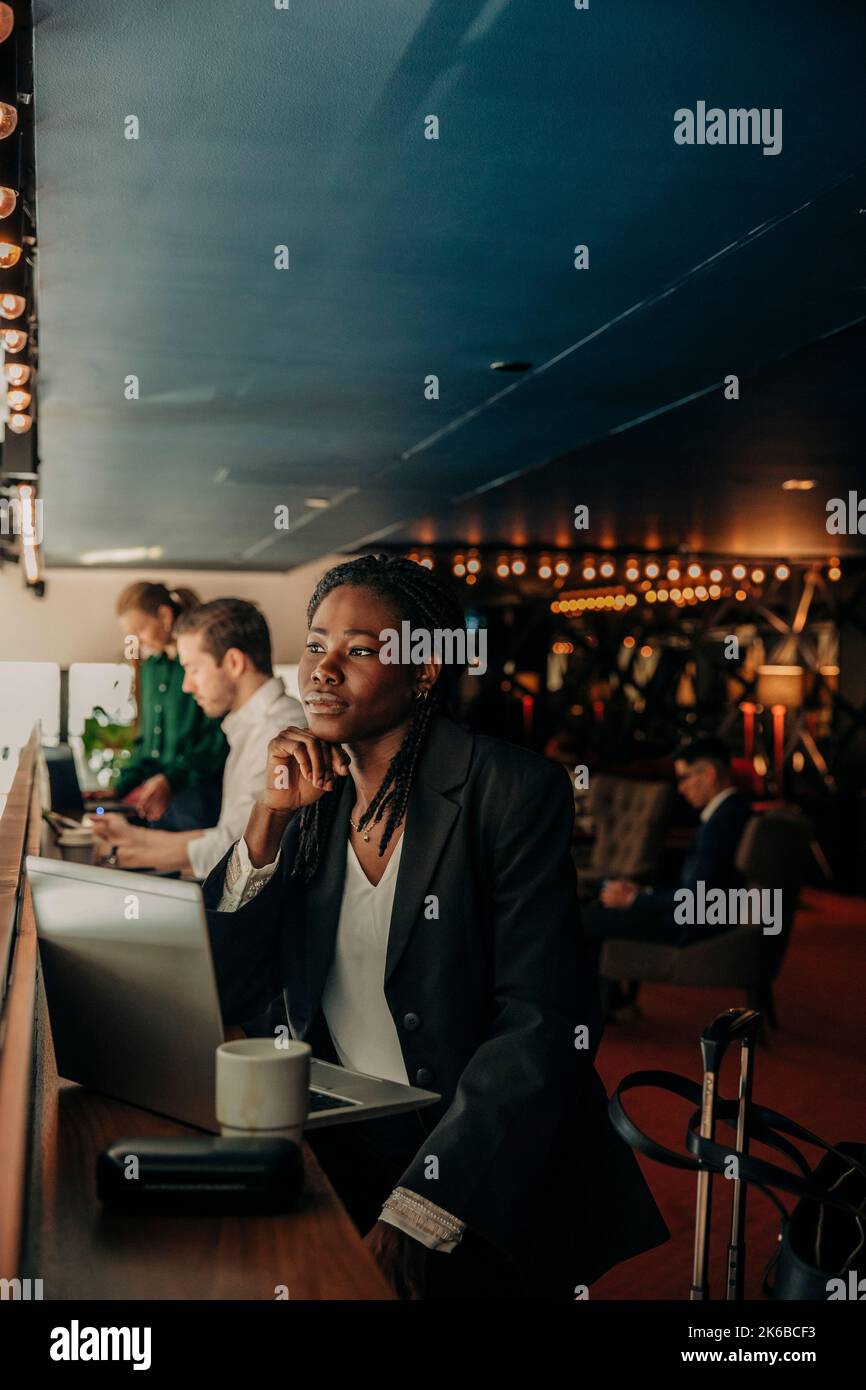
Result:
x=404 y=892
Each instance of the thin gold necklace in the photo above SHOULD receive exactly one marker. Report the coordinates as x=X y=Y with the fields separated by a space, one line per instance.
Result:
x=365 y=834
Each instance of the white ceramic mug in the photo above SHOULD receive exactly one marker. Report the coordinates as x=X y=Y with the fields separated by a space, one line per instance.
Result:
x=262 y=1088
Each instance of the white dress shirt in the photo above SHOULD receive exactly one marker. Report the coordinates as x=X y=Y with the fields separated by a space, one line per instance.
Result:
x=712 y=806
x=249 y=730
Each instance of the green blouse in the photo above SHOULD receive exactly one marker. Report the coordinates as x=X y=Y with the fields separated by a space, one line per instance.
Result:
x=174 y=736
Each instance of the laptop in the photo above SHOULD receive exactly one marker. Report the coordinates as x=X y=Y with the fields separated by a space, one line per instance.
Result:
x=133 y=1002
x=64 y=783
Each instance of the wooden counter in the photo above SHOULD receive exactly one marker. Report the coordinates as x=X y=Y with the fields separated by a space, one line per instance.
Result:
x=52 y=1225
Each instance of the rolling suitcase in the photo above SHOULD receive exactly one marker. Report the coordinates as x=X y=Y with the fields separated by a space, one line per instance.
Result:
x=802 y=1268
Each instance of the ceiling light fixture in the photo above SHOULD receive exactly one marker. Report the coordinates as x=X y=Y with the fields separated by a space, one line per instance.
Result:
x=17 y=373
x=29 y=541
x=13 y=339
x=19 y=424
x=12 y=306
x=10 y=255
x=8 y=119
x=119 y=557
x=798 y=484
x=8 y=201
x=17 y=399
x=7 y=21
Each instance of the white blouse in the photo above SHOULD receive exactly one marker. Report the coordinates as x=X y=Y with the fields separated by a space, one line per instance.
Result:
x=353 y=1000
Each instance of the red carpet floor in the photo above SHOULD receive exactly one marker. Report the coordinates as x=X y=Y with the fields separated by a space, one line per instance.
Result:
x=814 y=1070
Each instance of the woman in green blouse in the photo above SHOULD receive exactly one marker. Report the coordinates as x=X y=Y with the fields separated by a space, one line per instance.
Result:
x=174 y=775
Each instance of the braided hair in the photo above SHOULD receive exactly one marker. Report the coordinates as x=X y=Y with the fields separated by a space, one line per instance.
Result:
x=414 y=595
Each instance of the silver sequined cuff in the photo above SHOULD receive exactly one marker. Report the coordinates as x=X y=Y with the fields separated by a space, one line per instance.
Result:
x=432 y=1225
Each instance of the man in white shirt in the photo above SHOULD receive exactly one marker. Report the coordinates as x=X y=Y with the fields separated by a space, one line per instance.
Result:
x=225 y=650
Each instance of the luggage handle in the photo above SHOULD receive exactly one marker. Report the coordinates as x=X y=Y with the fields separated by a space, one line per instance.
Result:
x=734 y=1025
x=749 y=1120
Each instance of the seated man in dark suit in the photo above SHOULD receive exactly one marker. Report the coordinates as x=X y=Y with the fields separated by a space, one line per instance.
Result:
x=704 y=778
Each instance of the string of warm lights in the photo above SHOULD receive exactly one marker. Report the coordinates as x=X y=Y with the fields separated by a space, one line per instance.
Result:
x=14 y=244
x=654 y=579
x=21 y=508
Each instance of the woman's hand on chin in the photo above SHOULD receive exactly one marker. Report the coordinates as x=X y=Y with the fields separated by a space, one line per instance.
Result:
x=301 y=769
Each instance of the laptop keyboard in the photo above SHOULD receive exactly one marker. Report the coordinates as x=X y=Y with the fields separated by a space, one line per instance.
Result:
x=323 y=1100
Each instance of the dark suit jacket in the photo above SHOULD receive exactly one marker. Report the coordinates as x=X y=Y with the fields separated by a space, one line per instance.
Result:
x=711 y=859
x=486 y=999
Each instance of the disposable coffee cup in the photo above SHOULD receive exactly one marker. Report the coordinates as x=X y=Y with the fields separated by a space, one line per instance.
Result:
x=77 y=846
x=262 y=1088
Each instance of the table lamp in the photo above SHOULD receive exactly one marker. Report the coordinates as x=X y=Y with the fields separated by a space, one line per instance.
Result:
x=780 y=689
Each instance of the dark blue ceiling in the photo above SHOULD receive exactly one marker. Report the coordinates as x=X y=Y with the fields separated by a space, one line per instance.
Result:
x=411 y=257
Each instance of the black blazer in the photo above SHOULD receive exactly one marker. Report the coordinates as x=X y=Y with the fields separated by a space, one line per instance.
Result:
x=714 y=852
x=486 y=998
